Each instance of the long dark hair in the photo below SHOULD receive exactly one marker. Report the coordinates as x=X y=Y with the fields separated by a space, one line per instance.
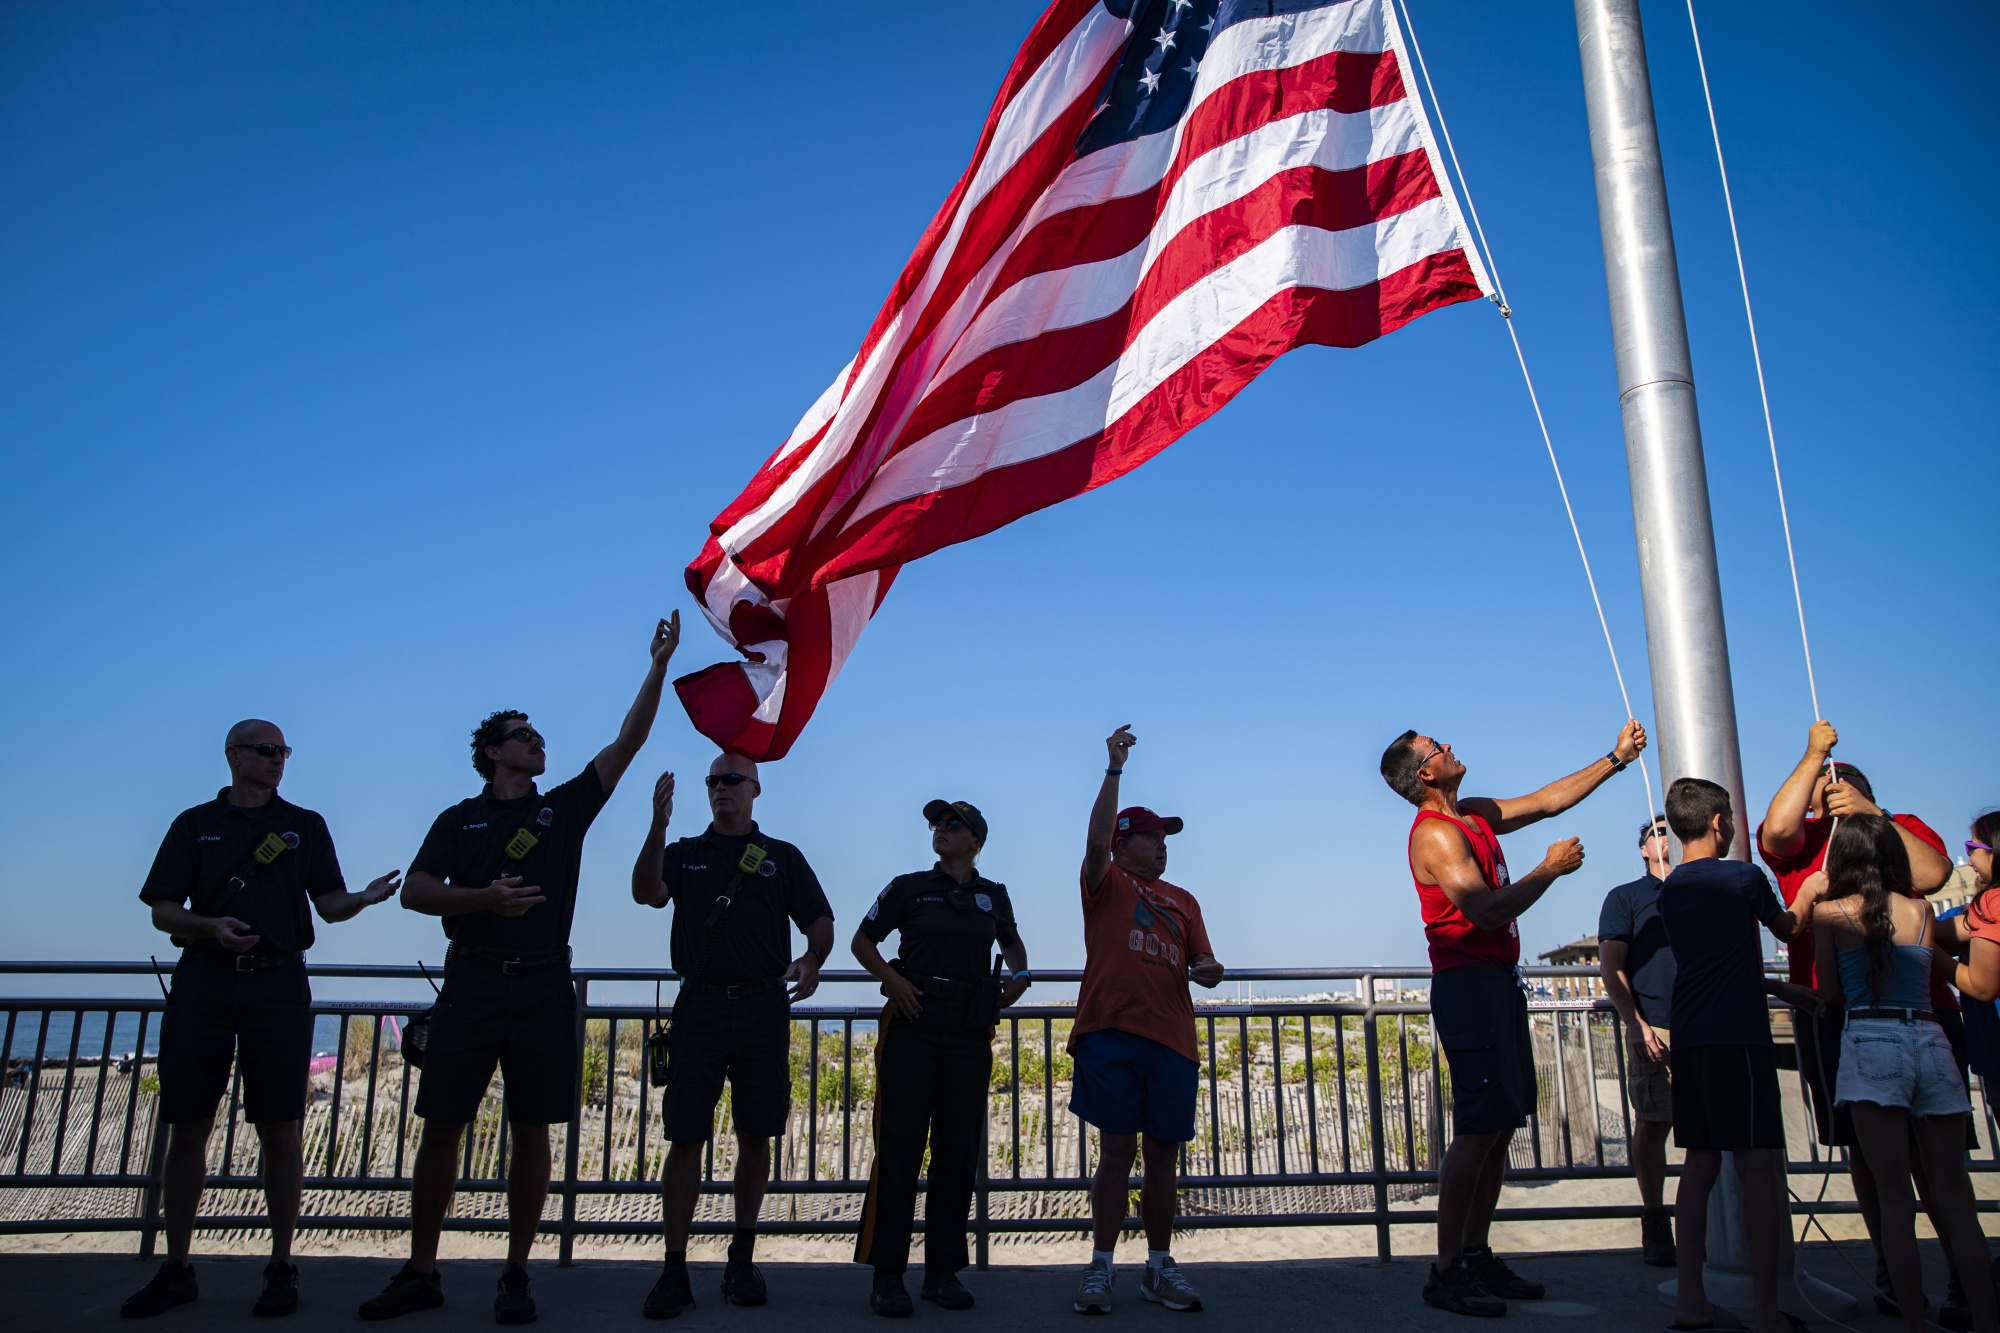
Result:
x=1866 y=857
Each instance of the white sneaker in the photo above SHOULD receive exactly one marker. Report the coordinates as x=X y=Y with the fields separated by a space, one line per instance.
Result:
x=1168 y=1286
x=1093 y=1295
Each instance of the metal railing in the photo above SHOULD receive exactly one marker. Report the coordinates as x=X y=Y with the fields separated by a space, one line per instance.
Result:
x=1315 y=1110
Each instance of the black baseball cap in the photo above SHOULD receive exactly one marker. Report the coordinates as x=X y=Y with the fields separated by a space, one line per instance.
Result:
x=938 y=811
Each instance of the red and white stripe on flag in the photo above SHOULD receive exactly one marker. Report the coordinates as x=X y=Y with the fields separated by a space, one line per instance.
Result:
x=1165 y=199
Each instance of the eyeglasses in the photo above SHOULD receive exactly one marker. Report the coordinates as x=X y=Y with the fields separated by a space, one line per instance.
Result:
x=1436 y=750
x=1970 y=845
x=725 y=780
x=525 y=735
x=264 y=749
x=1657 y=831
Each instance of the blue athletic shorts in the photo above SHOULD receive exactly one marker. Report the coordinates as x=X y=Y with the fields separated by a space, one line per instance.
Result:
x=1127 y=1084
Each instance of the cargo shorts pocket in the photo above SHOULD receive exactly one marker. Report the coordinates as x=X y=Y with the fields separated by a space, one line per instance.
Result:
x=1468 y=1053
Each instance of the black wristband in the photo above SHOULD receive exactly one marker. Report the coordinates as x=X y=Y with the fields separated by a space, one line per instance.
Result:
x=1113 y=772
x=1616 y=765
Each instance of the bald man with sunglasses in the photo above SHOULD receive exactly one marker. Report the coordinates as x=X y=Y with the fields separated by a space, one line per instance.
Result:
x=737 y=892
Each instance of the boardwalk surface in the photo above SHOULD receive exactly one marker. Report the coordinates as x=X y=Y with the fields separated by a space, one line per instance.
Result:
x=1596 y=1291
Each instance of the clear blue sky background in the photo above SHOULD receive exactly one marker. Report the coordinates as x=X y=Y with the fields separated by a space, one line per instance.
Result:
x=370 y=366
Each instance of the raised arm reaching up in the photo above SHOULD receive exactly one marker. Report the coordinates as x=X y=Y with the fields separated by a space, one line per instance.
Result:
x=615 y=758
x=1104 y=813
x=1510 y=814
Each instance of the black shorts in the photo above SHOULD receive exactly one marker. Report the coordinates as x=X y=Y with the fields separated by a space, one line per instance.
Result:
x=1481 y=1016
x=747 y=1041
x=1726 y=1097
x=524 y=1022
x=263 y=1020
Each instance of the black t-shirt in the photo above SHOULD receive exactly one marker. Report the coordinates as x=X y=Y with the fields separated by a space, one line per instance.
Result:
x=1712 y=909
x=753 y=942
x=212 y=843
x=938 y=939
x=467 y=847
x=1631 y=913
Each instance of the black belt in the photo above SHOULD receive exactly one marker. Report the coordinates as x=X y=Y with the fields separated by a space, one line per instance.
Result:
x=1901 y=1015
x=510 y=964
x=942 y=988
x=244 y=962
x=735 y=990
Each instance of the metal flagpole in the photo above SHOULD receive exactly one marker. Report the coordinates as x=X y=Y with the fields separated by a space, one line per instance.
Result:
x=1687 y=647
x=1694 y=705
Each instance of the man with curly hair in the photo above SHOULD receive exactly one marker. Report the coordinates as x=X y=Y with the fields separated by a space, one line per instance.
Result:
x=501 y=869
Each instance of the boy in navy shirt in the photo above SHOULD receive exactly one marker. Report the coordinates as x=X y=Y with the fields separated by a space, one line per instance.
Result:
x=1725 y=1077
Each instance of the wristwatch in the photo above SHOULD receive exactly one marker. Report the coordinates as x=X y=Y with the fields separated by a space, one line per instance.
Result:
x=1024 y=975
x=819 y=959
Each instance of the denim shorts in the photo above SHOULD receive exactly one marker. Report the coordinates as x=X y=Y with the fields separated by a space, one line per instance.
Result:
x=1891 y=1062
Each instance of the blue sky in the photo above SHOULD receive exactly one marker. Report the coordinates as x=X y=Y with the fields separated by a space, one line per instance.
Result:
x=371 y=366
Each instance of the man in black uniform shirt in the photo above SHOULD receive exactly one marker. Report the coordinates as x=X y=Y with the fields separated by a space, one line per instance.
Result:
x=230 y=884
x=501 y=869
x=934 y=1055
x=732 y=1017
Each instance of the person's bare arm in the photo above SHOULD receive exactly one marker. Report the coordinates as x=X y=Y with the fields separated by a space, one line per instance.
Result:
x=176 y=920
x=1015 y=956
x=615 y=758
x=506 y=896
x=1826 y=949
x=1797 y=919
x=1440 y=855
x=1104 y=812
x=341 y=905
x=901 y=991
x=1509 y=814
x=803 y=974
x=647 y=885
x=1785 y=822
x=1611 y=959
x=1929 y=867
x=1979 y=976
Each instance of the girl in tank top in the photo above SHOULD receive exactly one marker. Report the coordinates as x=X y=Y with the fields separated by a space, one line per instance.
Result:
x=1897 y=1074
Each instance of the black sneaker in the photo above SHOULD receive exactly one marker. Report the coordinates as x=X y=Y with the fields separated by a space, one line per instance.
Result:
x=408 y=1290
x=1497 y=1278
x=890 y=1298
x=1656 y=1239
x=281 y=1291
x=511 y=1303
x=946 y=1290
x=1458 y=1290
x=743 y=1283
x=172 y=1285
x=672 y=1293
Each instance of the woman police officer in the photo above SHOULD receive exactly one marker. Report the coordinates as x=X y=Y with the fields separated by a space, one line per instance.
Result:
x=934 y=1054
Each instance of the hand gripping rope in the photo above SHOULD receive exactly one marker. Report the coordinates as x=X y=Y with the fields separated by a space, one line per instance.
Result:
x=1507 y=315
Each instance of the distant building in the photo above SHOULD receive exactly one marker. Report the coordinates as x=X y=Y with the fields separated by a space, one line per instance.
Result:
x=1577 y=953
x=1956 y=891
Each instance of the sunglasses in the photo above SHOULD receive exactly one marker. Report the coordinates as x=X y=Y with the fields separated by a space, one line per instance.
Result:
x=951 y=823
x=1971 y=846
x=715 y=780
x=264 y=749
x=1657 y=831
x=525 y=735
x=1436 y=750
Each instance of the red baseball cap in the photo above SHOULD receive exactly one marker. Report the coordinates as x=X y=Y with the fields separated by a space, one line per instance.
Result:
x=1138 y=819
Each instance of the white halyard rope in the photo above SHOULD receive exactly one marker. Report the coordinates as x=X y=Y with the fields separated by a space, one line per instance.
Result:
x=1507 y=314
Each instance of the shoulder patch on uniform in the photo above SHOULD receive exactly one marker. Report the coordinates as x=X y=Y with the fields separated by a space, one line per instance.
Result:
x=875 y=908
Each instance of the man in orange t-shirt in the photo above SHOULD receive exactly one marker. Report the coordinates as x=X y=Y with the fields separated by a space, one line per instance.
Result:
x=1137 y=1069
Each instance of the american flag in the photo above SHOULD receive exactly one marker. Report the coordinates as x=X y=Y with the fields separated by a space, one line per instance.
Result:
x=1167 y=196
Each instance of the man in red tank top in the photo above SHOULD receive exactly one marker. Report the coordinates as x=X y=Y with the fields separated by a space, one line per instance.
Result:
x=1478 y=1007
